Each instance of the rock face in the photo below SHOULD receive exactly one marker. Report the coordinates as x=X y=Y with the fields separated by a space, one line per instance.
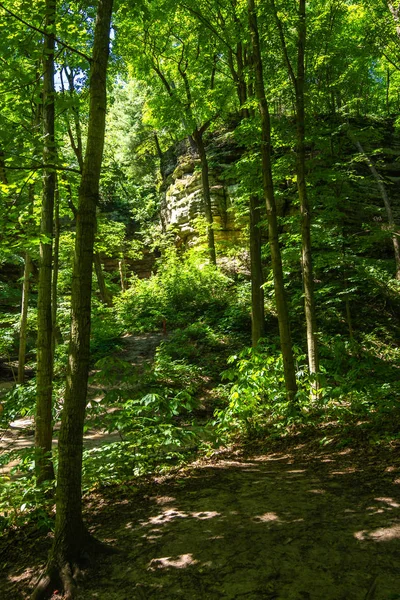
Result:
x=182 y=203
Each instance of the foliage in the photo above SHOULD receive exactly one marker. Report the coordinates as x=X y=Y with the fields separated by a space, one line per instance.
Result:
x=353 y=385
x=19 y=401
x=175 y=67
x=256 y=393
x=183 y=289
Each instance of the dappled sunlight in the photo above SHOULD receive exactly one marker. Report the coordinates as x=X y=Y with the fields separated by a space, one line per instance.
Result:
x=170 y=514
x=383 y=534
x=389 y=501
x=178 y=562
x=296 y=471
x=256 y=526
x=204 y=515
x=166 y=516
x=162 y=499
x=267 y=517
x=344 y=471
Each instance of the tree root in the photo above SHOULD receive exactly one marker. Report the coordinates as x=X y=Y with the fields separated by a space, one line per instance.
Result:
x=57 y=578
x=63 y=575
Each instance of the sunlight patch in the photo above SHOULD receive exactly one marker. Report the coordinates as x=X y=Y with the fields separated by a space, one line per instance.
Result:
x=344 y=471
x=383 y=534
x=388 y=501
x=267 y=517
x=163 y=499
x=166 y=516
x=205 y=514
x=178 y=562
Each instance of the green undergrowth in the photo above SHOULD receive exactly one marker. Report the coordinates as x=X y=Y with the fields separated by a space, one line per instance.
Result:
x=183 y=290
x=358 y=393
x=203 y=388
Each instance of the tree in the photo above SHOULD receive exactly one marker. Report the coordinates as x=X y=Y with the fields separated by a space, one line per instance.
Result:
x=182 y=66
x=298 y=81
x=43 y=417
x=71 y=538
x=268 y=185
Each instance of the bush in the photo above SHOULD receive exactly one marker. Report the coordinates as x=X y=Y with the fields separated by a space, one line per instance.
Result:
x=183 y=289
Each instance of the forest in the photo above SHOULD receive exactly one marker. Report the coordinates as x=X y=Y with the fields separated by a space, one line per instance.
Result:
x=200 y=299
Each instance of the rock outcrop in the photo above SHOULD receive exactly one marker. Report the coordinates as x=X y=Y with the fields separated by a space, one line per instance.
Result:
x=182 y=203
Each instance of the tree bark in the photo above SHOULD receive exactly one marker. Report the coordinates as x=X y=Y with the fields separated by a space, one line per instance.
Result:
x=386 y=202
x=24 y=320
x=25 y=301
x=122 y=274
x=44 y=378
x=205 y=183
x=298 y=81
x=305 y=210
x=3 y=172
x=71 y=539
x=104 y=293
x=54 y=284
x=257 y=280
x=280 y=296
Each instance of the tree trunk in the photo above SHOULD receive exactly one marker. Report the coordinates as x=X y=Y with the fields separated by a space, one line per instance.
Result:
x=24 y=320
x=257 y=280
x=280 y=297
x=122 y=274
x=386 y=202
x=71 y=539
x=104 y=293
x=43 y=419
x=205 y=183
x=3 y=172
x=25 y=301
x=54 y=296
x=305 y=210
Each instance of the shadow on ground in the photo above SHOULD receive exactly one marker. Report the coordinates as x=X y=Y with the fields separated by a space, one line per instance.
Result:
x=279 y=526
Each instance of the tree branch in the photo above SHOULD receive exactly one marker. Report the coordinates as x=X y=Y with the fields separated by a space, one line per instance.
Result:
x=283 y=44
x=42 y=32
x=38 y=167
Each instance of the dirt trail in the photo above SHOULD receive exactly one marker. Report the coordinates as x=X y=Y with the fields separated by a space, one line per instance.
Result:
x=291 y=526
x=137 y=350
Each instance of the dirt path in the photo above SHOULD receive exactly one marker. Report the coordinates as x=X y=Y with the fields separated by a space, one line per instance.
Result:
x=137 y=350
x=287 y=526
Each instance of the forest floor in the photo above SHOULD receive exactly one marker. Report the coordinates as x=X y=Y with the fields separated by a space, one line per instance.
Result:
x=136 y=350
x=292 y=519
x=293 y=522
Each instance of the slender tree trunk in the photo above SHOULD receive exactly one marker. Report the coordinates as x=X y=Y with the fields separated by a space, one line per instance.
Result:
x=305 y=210
x=24 y=320
x=54 y=295
x=71 y=539
x=298 y=81
x=280 y=296
x=3 y=172
x=122 y=274
x=257 y=280
x=25 y=301
x=205 y=182
x=387 y=91
x=43 y=419
x=386 y=202
x=104 y=293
